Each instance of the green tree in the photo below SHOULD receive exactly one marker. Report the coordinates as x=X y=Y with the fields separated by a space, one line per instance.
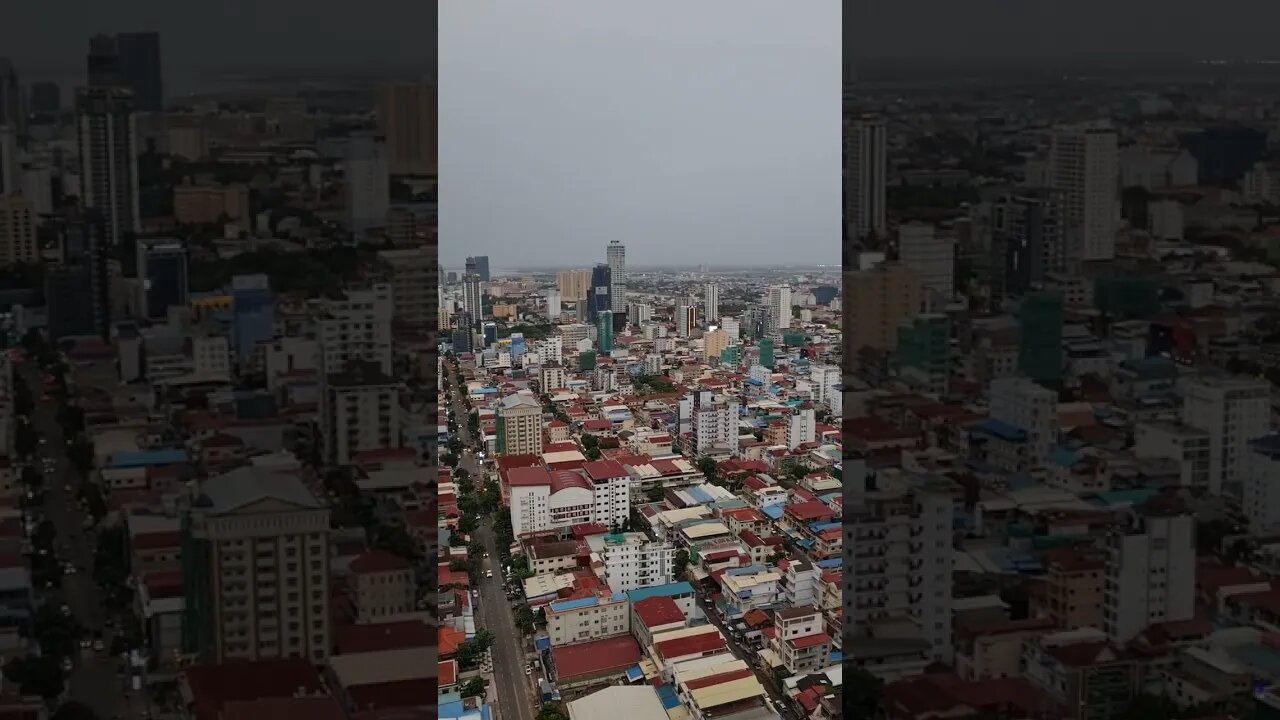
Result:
x=550 y=712
x=863 y=693
x=474 y=687
x=473 y=423
x=91 y=494
x=525 y=619
x=57 y=632
x=80 y=453
x=681 y=562
x=708 y=467
x=36 y=676
x=396 y=540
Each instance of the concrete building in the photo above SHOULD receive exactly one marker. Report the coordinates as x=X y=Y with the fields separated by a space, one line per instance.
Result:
x=932 y=258
x=1233 y=410
x=473 y=296
x=686 y=320
x=1085 y=165
x=1190 y=447
x=356 y=326
x=1150 y=573
x=877 y=301
x=255 y=569
x=18 y=231
x=108 y=143
x=253 y=315
x=617 y=261
x=711 y=422
x=209 y=204
x=779 y=315
x=412 y=273
x=712 y=343
x=573 y=284
x=1030 y=407
x=897 y=526
x=551 y=376
x=632 y=562
x=711 y=302
x=368 y=182
x=585 y=619
x=407 y=119
x=865 y=177
x=360 y=410
x=519 y=426
x=383 y=588
x=162 y=271
x=555 y=500
x=800 y=640
x=1261 y=493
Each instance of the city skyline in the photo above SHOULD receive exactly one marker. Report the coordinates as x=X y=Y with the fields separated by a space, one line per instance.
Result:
x=631 y=147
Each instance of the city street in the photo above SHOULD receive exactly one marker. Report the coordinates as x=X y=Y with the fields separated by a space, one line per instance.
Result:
x=747 y=656
x=94 y=680
x=515 y=698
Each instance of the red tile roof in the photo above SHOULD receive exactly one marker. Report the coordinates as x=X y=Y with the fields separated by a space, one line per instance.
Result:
x=718 y=678
x=604 y=470
x=213 y=686
x=378 y=561
x=447 y=671
x=808 y=641
x=658 y=611
x=599 y=657
x=524 y=476
x=386 y=636
x=690 y=645
x=401 y=693
x=449 y=639
x=285 y=708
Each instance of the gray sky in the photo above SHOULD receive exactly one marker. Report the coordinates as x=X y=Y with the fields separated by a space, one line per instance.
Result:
x=696 y=131
x=52 y=36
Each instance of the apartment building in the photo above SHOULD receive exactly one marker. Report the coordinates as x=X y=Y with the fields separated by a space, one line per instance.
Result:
x=800 y=640
x=412 y=273
x=1233 y=410
x=1150 y=572
x=631 y=562
x=519 y=426
x=360 y=410
x=585 y=619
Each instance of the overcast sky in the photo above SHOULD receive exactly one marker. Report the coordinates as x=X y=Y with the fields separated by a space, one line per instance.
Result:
x=52 y=36
x=692 y=131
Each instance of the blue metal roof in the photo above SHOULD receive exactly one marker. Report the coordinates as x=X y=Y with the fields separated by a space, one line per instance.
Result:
x=669 y=590
x=146 y=458
x=1003 y=430
x=773 y=512
x=578 y=604
x=667 y=695
x=830 y=563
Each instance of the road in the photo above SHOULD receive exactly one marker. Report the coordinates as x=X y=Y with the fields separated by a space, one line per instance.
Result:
x=744 y=655
x=94 y=680
x=515 y=698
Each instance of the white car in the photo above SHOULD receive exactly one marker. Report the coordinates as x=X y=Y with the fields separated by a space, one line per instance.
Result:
x=69 y=569
x=528 y=671
x=98 y=645
x=489 y=574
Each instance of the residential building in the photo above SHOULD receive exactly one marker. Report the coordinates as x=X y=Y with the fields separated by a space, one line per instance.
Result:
x=356 y=326
x=573 y=284
x=865 y=177
x=368 y=182
x=711 y=302
x=1233 y=410
x=412 y=273
x=1085 y=166
x=779 y=315
x=1190 y=447
x=255 y=569
x=617 y=260
x=1261 y=494
x=253 y=314
x=162 y=269
x=519 y=426
x=17 y=230
x=877 y=301
x=383 y=587
x=1150 y=573
x=473 y=296
x=603 y=615
x=631 y=562
x=407 y=118
x=1029 y=407
x=360 y=411
x=932 y=258
x=109 y=149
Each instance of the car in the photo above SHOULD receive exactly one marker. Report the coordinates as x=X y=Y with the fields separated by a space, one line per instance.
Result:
x=66 y=665
x=85 y=643
x=98 y=645
x=44 y=441
x=66 y=609
x=489 y=574
x=529 y=670
x=69 y=569
x=487 y=554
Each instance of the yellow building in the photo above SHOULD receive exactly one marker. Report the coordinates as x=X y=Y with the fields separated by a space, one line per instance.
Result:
x=206 y=204
x=505 y=310
x=877 y=301
x=573 y=284
x=713 y=342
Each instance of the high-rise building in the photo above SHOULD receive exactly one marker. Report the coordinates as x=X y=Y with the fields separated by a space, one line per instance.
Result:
x=10 y=168
x=360 y=411
x=1085 y=166
x=779 y=314
x=639 y=313
x=12 y=108
x=162 y=276
x=604 y=332
x=764 y=353
x=713 y=343
x=573 y=284
x=601 y=285
x=473 y=296
x=924 y=353
x=866 y=178
x=368 y=182
x=711 y=302
x=478 y=265
x=1028 y=237
x=139 y=55
x=78 y=290
x=253 y=311
x=933 y=259
x=632 y=562
x=553 y=306
x=519 y=426
x=617 y=259
x=103 y=63
x=899 y=526
x=108 y=143
x=17 y=231
x=412 y=273
x=1234 y=411
x=1150 y=573
x=407 y=118
x=877 y=301
x=801 y=426
x=1040 y=338
x=255 y=568
x=711 y=421
x=732 y=327
x=686 y=320
x=1029 y=407
x=355 y=326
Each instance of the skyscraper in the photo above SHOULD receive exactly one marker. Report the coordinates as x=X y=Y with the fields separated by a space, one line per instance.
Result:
x=103 y=63
x=1085 y=166
x=598 y=299
x=368 y=182
x=139 y=57
x=604 y=332
x=478 y=265
x=779 y=317
x=1040 y=338
x=876 y=302
x=108 y=141
x=473 y=296
x=865 y=184
x=1028 y=238
x=407 y=118
x=78 y=290
x=711 y=302
x=162 y=276
x=933 y=257
x=573 y=284
x=12 y=109
x=617 y=258
x=686 y=320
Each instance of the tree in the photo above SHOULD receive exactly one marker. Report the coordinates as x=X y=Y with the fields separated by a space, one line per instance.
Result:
x=39 y=676
x=862 y=695
x=681 y=562
x=80 y=453
x=550 y=712
x=475 y=687
x=397 y=541
x=57 y=632
x=708 y=467
x=473 y=423
x=25 y=438
x=525 y=619
x=91 y=494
